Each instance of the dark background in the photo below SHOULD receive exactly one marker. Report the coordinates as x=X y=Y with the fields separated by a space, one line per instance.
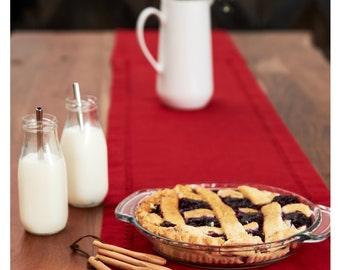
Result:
x=261 y=15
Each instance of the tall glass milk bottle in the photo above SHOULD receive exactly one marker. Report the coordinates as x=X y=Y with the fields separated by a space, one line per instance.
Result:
x=85 y=150
x=42 y=177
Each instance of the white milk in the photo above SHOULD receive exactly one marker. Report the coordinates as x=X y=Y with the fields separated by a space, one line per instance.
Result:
x=42 y=187
x=85 y=154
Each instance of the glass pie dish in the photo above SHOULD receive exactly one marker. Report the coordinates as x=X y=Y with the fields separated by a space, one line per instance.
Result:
x=230 y=256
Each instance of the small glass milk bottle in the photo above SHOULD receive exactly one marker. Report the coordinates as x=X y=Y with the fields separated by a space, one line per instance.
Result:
x=85 y=150
x=42 y=177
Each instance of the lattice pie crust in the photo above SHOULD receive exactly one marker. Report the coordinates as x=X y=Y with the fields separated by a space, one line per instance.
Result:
x=225 y=217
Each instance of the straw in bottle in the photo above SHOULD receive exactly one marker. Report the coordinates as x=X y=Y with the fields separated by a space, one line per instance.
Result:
x=40 y=143
x=76 y=92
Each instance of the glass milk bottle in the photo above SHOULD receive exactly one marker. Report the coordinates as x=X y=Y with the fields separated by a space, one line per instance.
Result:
x=42 y=178
x=85 y=150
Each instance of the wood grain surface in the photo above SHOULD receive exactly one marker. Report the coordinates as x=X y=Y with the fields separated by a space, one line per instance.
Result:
x=293 y=73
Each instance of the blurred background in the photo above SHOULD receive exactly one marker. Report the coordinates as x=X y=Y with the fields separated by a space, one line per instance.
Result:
x=313 y=15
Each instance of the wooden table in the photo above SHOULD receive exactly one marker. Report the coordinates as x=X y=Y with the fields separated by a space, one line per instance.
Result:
x=292 y=72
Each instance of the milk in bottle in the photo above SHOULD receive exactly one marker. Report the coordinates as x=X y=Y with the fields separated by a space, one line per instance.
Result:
x=84 y=146
x=42 y=178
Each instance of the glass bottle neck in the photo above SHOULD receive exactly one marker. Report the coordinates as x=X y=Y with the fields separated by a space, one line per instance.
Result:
x=40 y=137
x=84 y=114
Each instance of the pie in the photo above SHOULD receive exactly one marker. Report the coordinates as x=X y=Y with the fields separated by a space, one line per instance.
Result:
x=224 y=217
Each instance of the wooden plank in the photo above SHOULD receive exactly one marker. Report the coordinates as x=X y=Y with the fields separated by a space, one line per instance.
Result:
x=44 y=65
x=296 y=77
x=43 y=68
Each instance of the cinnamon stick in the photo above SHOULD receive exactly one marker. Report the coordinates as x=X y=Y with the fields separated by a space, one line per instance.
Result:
x=97 y=264
x=130 y=260
x=119 y=264
x=138 y=255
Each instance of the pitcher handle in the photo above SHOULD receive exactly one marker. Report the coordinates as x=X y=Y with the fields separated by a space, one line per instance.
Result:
x=143 y=16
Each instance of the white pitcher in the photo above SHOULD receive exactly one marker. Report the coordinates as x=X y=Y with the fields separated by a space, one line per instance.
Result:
x=184 y=67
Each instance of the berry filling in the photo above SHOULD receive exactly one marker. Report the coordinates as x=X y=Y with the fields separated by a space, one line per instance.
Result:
x=285 y=199
x=298 y=219
x=186 y=204
x=236 y=203
x=203 y=221
x=167 y=224
x=245 y=218
x=157 y=210
x=258 y=233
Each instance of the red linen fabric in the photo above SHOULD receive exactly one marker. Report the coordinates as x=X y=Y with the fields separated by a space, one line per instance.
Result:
x=237 y=138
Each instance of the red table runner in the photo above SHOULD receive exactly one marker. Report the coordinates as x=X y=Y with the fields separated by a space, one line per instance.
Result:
x=237 y=138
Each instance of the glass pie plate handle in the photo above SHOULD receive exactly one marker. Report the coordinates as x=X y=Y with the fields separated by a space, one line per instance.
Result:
x=317 y=232
x=125 y=210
